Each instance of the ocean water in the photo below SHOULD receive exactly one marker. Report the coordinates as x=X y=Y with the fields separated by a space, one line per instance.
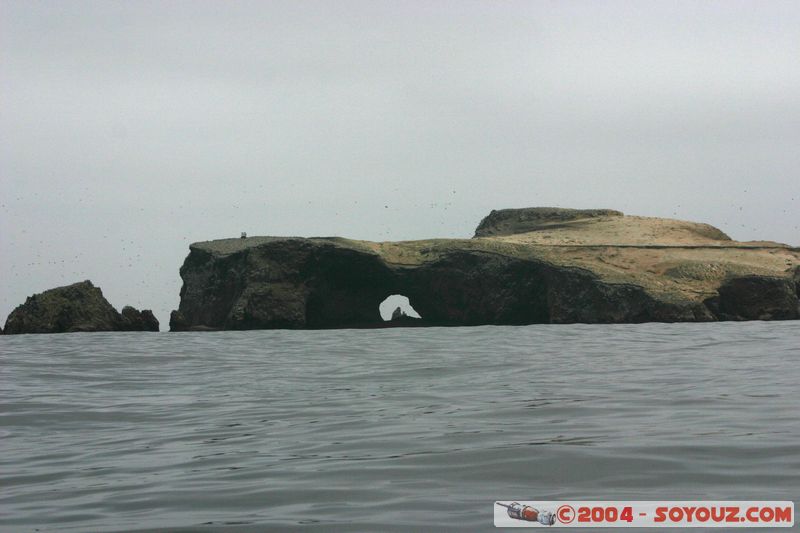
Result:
x=417 y=429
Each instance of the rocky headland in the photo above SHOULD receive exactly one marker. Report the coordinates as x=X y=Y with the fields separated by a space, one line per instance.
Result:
x=523 y=266
x=77 y=307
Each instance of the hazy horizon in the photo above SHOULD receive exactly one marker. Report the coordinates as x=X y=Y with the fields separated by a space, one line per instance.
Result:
x=130 y=130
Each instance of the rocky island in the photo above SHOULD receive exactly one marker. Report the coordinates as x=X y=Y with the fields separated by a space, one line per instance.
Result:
x=523 y=266
x=77 y=307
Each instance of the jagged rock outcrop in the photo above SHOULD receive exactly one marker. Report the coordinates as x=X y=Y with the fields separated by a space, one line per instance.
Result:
x=135 y=320
x=77 y=307
x=400 y=318
x=595 y=266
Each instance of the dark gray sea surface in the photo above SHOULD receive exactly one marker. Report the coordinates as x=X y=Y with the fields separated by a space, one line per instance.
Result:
x=416 y=429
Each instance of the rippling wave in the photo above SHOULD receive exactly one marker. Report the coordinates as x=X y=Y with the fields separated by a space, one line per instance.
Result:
x=389 y=430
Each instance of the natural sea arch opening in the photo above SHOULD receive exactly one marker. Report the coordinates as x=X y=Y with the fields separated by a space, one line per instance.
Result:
x=390 y=303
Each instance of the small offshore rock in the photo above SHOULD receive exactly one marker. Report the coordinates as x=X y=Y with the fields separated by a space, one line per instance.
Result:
x=135 y=320
x=77 y=307
x=400 y=317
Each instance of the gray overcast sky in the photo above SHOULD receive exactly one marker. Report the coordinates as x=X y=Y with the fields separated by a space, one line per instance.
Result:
x=130 y=129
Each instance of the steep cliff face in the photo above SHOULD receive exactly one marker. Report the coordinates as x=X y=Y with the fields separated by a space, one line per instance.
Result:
x=584 y=276
x=796 y=278
x=77 y=307
x=756 y=298
x=279 y=283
